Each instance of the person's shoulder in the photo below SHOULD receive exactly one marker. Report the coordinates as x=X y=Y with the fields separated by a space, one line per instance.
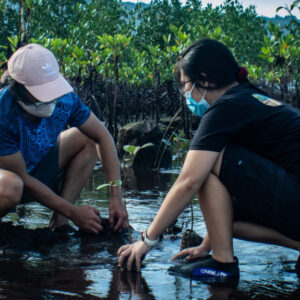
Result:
x=241 y=96
x=70 y=98
x=237 y=92
x=7 y=106
x=5 y=93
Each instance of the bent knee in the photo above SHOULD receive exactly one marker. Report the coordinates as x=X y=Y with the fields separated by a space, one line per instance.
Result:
x=75 y=141
x=11 y=189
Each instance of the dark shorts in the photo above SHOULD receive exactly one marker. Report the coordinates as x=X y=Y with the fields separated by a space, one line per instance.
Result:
x=262 y=192
x=47 y=171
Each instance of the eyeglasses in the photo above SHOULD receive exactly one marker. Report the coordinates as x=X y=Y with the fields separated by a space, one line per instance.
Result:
x=182 y=87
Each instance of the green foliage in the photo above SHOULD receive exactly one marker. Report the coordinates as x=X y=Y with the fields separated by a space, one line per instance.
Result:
x=280 y=51
x=115 y=50
x=295 y=4
x=180 y=145
x=13 y=43
x=140 y=47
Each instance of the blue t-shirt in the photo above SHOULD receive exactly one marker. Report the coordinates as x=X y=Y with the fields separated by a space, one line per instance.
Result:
x=34 y=140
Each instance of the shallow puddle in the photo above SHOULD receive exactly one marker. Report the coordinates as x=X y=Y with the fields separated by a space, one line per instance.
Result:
x=85 y=266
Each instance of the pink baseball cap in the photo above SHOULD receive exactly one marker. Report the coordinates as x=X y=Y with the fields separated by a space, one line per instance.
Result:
x=37 y=69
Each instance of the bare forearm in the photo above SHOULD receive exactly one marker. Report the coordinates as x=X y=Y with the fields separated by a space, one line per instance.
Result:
x=44 y=195
x=176 y=200
x=110 y=162
x=106 y=149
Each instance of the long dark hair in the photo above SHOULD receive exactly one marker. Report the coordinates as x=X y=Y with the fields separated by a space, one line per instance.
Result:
x=19 y=91
x=211 y=61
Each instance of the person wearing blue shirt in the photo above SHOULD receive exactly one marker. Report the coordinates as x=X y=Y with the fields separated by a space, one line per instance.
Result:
x=50 y=142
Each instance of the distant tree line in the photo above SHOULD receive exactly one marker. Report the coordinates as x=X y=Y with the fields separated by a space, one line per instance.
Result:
x=120 y=59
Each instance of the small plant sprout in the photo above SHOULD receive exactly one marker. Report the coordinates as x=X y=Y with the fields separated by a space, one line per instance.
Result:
x=133 y=150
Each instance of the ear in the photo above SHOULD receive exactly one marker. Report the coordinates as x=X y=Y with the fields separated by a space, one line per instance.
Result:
x=202 y=82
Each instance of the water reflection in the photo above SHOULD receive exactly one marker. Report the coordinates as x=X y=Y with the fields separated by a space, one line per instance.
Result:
x=40 y=281
x=85 y=266
x=129 y=283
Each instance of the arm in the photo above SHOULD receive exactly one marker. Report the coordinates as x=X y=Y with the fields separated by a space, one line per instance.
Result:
x=85 y=217
x=196 y=168
x=95 y=130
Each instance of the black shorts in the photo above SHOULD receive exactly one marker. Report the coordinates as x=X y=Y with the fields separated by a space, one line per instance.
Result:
x=47 y=171
x=262 y=192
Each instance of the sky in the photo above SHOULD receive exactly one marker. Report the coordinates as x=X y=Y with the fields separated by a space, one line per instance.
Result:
x=263 y=7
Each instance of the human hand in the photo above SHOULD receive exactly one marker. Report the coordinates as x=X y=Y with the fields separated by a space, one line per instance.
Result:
x=192 y=253
x=87 y=218
x=118 y=218
x=134 y=252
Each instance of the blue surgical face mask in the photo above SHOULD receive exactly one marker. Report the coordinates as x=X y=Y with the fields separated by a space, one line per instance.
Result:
x=197 y=108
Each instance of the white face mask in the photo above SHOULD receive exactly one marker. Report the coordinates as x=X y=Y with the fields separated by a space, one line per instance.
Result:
x=44 y=110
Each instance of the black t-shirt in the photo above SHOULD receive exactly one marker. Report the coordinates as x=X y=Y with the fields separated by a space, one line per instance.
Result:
x=263 y=125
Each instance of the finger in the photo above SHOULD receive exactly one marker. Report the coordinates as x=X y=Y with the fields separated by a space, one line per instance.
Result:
x=111 y=220
x=119 y=223
x=94 y=227
x=138 y=264
x=123 y=256
x=181 y=253
x=122 y=249
x=190 y=257
x=92 y=230
x=124 y=226
x=96 y=220
x=96 y=211
x=130 y=261
x=98 y=227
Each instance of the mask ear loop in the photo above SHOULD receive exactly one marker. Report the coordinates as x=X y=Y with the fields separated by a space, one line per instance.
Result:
x=204 y=95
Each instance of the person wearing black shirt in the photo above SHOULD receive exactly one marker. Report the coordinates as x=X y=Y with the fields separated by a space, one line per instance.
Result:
x=243 y=164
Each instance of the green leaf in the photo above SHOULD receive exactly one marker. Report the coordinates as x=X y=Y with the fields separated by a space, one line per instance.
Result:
x=175 y=49
x=117 y=183
x=102 y=186
x=147 y=145
x=136 y=150
x=129 y=148
x=295 y=3
x=279 y=8
x=168 y=143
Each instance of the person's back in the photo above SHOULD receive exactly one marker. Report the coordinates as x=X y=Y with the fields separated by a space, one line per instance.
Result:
x=263 y=125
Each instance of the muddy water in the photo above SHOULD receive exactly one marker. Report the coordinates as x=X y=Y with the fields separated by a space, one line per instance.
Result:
x=85 y=266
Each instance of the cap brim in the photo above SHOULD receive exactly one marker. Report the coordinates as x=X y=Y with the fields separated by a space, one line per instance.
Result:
x=51 y=90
